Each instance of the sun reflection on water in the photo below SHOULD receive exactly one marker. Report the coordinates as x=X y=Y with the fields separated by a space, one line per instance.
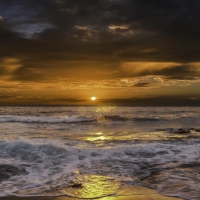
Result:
x=99 y=136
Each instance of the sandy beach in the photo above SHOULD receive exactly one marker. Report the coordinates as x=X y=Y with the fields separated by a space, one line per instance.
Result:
x=135 y=197
x=141 y=193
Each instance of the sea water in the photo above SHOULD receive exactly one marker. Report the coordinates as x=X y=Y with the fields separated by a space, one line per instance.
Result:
x=95 y=151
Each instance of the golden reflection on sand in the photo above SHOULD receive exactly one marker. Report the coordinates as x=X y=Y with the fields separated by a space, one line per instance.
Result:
x=94 y=186
x=108 y=188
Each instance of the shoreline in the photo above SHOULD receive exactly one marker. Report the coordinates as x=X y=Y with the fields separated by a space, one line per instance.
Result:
x=138 y=193
x=132 y=197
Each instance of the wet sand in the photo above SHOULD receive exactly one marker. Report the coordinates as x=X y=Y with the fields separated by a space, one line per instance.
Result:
x=135 y=197
x=141 y=193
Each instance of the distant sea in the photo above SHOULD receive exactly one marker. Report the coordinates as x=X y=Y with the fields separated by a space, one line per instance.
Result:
x=92 y=151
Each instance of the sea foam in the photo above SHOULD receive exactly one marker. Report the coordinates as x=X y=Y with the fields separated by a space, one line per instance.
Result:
x=52 y=164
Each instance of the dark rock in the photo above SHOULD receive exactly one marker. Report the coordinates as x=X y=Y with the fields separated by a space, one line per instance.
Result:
x=6 y=171
x=180 y=130
x=161 y=129
x=116 y=118
x=77 y=185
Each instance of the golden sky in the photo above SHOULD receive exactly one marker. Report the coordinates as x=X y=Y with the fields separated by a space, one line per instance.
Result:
x=120 y=51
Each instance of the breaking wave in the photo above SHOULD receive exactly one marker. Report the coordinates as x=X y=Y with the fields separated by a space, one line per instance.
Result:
x=45 y=119
x=72 y=119
x=52 y=166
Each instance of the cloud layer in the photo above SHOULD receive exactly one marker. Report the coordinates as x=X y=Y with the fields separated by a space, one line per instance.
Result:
x=76 y=41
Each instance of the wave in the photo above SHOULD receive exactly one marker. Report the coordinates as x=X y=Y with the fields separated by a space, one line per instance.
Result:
x=137 y=119
x=45 y=119
x=52 y=164
x=71 y=119
x=80 y=118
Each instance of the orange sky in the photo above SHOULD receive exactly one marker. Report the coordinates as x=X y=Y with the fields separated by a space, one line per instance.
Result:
x=121 y=51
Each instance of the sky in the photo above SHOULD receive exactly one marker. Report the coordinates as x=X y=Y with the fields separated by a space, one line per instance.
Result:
x=130 y=52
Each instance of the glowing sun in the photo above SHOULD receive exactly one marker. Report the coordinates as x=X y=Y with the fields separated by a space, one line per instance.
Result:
x=93 y=98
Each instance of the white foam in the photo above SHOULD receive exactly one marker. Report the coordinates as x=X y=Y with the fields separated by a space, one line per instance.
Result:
x=70 y=155
x=51 y=164
x=44 y=119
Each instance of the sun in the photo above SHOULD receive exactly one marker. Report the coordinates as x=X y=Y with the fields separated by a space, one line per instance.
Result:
x=93 y=98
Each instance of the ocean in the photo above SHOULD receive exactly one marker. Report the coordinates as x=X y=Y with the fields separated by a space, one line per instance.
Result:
x=94 y=151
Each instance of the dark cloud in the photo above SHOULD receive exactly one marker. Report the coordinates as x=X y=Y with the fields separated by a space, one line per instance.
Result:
x=181 y=100
x=180 y=72
x=141 y=84
x=62 y=37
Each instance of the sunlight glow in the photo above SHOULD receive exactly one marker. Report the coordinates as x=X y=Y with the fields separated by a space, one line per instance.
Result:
x=97 y=138
x=93 y=98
